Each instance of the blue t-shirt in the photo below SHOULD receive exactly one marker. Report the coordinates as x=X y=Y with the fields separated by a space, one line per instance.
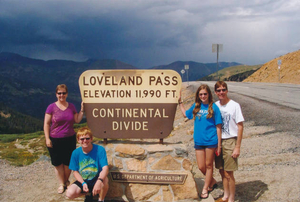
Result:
x=205 y=131
x=89 y=165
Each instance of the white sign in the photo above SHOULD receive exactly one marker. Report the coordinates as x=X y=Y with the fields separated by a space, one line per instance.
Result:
x=217 y=48
x=279 y=62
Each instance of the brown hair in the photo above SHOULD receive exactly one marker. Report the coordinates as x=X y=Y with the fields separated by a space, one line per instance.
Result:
x=61 y=86
x=198 y=101
x=220 y=84
x=84 y=131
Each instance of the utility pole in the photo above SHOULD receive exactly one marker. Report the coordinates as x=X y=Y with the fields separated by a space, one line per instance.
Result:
x=217 y=48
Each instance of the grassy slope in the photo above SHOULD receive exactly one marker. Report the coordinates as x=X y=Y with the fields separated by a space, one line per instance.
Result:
x=11 y=121
x=230 y=71
x=24 y=149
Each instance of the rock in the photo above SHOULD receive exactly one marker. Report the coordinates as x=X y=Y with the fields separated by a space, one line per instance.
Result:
x=130 y=151
x=141 y=192
x=167 y=163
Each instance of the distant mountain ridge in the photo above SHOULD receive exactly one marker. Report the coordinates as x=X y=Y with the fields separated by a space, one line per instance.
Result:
x=48 y=73
x=28 y=85
x=196 y=70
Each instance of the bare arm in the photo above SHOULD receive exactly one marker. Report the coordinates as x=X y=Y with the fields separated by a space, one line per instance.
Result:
x=219 y=133
x=237 y=149
x=99 y=184
x=78 y=116
x=181 y=106
x=79 y=178
x=182 y=109
x=103 y=174
x=47 y=122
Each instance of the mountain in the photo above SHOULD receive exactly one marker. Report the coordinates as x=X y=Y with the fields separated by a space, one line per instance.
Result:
x=48 y=73
x=240 y=77
x=196 y=70
x=234 y=73
x=289 y=71
x=12 y=121
x=28 y=85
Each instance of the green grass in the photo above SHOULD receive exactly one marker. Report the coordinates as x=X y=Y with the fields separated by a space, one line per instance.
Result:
x=80 y=125
x=8 y=138
x=4 y=138
x=230 y=71
x=24 y=149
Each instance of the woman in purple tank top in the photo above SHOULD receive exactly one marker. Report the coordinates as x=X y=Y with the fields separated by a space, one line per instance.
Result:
x=60 y=136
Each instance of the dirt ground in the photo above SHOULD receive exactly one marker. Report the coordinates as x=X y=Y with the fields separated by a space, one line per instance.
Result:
x=269 y=165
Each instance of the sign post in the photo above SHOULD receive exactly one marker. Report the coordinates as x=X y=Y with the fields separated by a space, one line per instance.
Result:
x=124 y=104
x=182 y=72
x=278 y=63
x=186 y=67
x=217 y=48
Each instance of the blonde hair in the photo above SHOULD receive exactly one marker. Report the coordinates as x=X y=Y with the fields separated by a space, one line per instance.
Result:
x=198 y=101
x=84 y=131
x=61 y=86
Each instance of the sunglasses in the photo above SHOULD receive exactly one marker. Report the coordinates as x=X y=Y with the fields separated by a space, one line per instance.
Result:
x=200 y=94
x=59 y=93
x=223 y=90
x=85 y=138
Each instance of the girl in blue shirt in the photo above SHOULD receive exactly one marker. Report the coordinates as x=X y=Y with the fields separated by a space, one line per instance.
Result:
x=207 y=133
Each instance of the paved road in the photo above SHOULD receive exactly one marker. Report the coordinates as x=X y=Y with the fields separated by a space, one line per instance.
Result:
x=271 y=140
x=282 y=94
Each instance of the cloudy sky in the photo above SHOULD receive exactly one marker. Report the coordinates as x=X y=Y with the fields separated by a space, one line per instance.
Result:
x=145 y=33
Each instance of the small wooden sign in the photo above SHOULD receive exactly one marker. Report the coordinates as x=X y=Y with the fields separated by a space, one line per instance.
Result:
x=153 y=178
x=130 y=103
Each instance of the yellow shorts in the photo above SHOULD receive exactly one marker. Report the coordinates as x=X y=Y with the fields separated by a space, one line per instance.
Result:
x=224 y=160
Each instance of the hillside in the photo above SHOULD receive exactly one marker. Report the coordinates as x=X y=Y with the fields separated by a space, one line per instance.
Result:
x=12 y=121
x=28 y=85
x=196 y=70
x=289 y=70
x=234 y=73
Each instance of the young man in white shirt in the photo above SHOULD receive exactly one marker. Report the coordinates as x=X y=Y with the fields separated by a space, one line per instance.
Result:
x=232 y=132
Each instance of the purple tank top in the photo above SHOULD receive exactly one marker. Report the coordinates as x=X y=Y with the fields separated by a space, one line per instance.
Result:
x=62 y=120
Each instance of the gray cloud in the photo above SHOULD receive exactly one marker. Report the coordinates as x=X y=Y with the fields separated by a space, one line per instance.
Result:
x=151 y=32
